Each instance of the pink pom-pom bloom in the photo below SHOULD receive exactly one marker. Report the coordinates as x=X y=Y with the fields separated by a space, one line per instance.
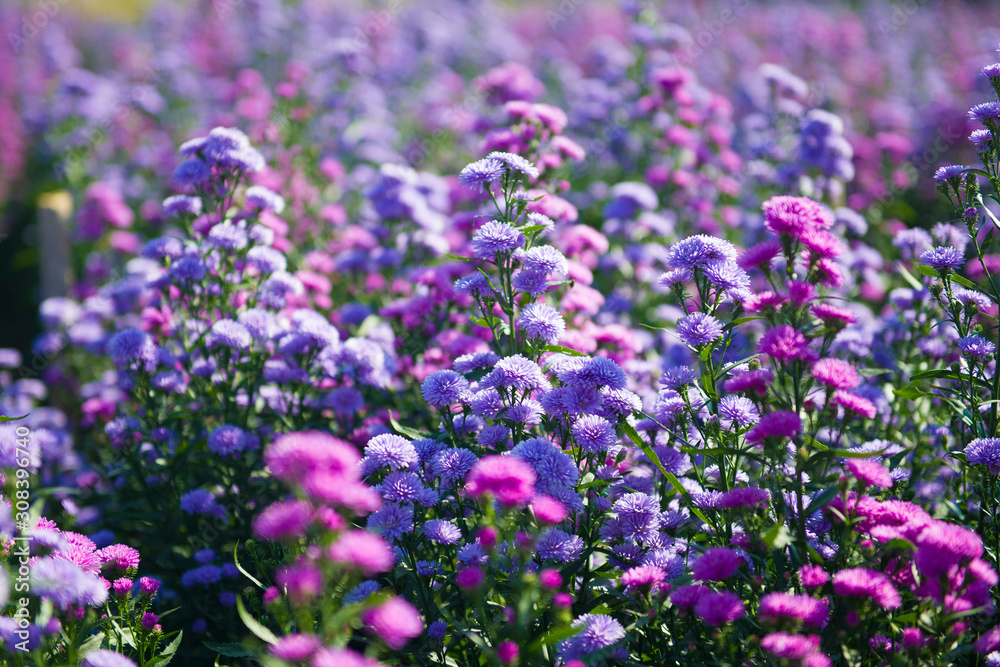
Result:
x=716 y=564
x=869 y=473
x=785 y=343
x=395 y=621
x=836 y=374
x=942 y=546
x=786 y=646
x=795 y=216
x=813 y=576
x=510 y=480
x=716 y=609
x=778 y=424
x=549 y=510
x=863 y=583
x=363 y=550
x=774 y=607
x=643 y=576
x=854 y=403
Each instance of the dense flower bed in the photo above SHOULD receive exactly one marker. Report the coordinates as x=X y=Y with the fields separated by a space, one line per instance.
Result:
x=455 y=340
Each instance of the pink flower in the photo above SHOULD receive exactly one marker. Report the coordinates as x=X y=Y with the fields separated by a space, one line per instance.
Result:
x=395 y=621
x=813 y=576
x=777 y=606
x=686 y=597
x=795 y=216
x=854 y=403
x=295 y=648
x=643 y=576
x=836 y=374
x=863 y=583
x=302 y=581
x=285 y=519
x=364 y=550
x=785 y=343
x=942 y=546
x=549 y=510
x=785 y=646
x=869 y=473
x=509 y=479
x=469 y=578
x=833 y=315
x=507 y=652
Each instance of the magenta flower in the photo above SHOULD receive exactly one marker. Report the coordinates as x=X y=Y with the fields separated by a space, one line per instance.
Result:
x=643 y=576
x=509 y=479
x=716 y=564
x=395 y=621
x=778 y=424
x=836 y=374
x=854 y=403
x=869 y=473
x=785 y=646
x=863 y=583
x=774 y=607
x=363 y=550
x=718 y=608
x=942 y=546
x=785 y=343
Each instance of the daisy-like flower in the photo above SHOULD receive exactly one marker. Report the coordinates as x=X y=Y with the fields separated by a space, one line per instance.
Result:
x=515 y=163
x=482 y=173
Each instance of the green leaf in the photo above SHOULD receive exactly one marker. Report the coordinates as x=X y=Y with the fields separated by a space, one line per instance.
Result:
x=240 y=568
x=406 y=430
x=821 y=501
x=634 y=436
x=777 y=537
x=170 y=651
x=528 y=230
x=744 y=320
x=231 y=650
x=965 y=282
x=868 y=372
x=926 y=270
x=908 y=277
x=256 y=627
x=5 y=418
x=900 y=543
x=564 y=350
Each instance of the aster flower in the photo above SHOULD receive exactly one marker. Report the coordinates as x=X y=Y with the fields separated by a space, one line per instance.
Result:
x=942 y=546
x=738 y=410
x=559 y=546
x=543 y=322
x=785 y=646
x=544 y=259
x=784 y=343
x=494 y=238
x=867 y=584
x=696 y=252
x=599 y=632
x=103 y=657
x=514 y=163
x=181 y=205
x=594 y=434
x=227 y=440
x=388 y=450
x=443 y=388
x=516 y=372
x=66 y=583
x=130 y=346
x=509 y=479
x=391 y=521
x=833 y=315
x=778 y=424
x=265 y=198
x=987 y=113
x=943 y=260
x=482 y=173
x=451 y=465
x=401 y=486
x=744 y=496
x=868 y=472
x=716 y=564
x=836 y=374
x=232 y=334
x=361 y=592
x=192 y=172
x=719 y=608
x=364 y=551
x=476 y=285
x=552 y=466
x=395 y=622
x=442 y=532
x=283 y=520
x=977 y=348
x=775 y=607
x=984 y=452
x=533 y=283
x=228 y=236
x=698 y=329
x=199 y=501
x=795 y=216
x=267 y=260
x=854 y=403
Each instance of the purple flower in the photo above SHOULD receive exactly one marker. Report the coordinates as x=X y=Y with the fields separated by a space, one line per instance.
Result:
x=130 y=346
x=444 y=388
x=638 y=515
x=777 y=424
x=401 y=486
x=267 y=260
x=103 y=657
x=475 y=284
x=738 y=410
x=543 y=322
x=984 y=452
x=533 y=283
x=556 y=545
x=388 y=451
x=719 y=608
x=949 y=172
x=442 y=532
x=199 y=501
x=482 y=173
x=943 y=260
x=716 y=564
x=452 y=465
x=977 y=348
x=227 y=440
x=264 y=198
x=514 y=163
x=594 y=373
x=181 y=205
x=361 y=592
x=986 y=113
x=391 y=521
x=516 y=372
x=698 y=329
x=544 y=259
x=594 y=434
x=228 y=236
x=232 y=334
x=696 y=252
x=785 y=646
x=942 y=546
x=869 y=473
x=553 y=467
x=494 y=238
x=191 y=173
x=599 y=632
x=65 y=583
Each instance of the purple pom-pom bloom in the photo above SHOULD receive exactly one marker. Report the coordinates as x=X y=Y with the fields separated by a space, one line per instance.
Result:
x=984 y=452
x=976 y=347
x=227 y=440
x=543 y=322
x=943 y=260
x=443 y=388
x=494 y=238
x=482 y=173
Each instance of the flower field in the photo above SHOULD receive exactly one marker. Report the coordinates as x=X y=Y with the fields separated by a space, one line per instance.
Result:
x=557 y=334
